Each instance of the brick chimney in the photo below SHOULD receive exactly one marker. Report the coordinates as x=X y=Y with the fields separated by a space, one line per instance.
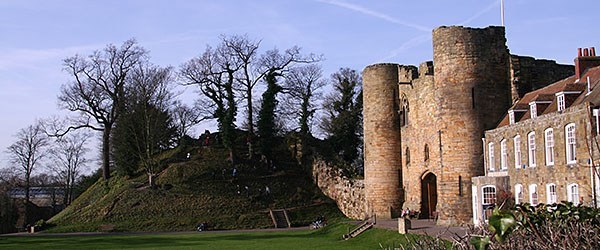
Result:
x=586 y=58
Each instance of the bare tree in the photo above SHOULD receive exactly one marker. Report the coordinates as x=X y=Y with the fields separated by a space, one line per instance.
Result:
x=27 y=152
x=69 y=159
x=9 y=176
x=150 y=95
x=244 y=51
x=236 y=65
x=8 y=212
x=213 y=72
x=97 y=91
x=185 y=117
x=303 y=85
x=254 y=68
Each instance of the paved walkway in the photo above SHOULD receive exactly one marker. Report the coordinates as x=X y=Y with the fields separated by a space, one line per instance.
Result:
x=426 y=227
x=25 y=234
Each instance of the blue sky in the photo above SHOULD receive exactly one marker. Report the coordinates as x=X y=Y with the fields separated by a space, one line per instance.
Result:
x=35 y=36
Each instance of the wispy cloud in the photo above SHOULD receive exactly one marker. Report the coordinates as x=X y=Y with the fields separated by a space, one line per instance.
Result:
x=418 y=40
x=375 y=14
x=481 y=12
x=414 y=42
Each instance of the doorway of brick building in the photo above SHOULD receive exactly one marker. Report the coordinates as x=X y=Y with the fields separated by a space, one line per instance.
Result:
x=428 y=196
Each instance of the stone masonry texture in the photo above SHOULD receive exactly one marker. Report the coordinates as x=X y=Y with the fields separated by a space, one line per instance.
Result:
x=429 y=121
x=382 y=140
x=528 y=74
x=560 y=173
x=349 y=194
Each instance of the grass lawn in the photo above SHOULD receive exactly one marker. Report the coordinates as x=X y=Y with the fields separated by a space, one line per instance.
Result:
x=326 y=238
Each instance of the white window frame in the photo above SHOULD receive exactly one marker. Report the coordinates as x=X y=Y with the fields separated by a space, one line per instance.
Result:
x=518 y=194
x=503 y=155
x=570 y=143
x=531 y=149
x=560 y=101
x=491 y=159
x=573 y=193
x=534 y=196
x=549 y=143
x=551 y=194
x=488 y=195
x=511 y=117
x=533 y=110
x=517 y=146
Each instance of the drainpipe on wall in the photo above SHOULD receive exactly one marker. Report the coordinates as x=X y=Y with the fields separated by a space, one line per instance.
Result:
x=593 y=182
x=593 y=168
x=484 y=161
x=441 y=151
x=596 y=116
x=475 y=205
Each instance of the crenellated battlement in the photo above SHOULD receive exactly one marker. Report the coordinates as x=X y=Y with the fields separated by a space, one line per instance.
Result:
x=423 y=125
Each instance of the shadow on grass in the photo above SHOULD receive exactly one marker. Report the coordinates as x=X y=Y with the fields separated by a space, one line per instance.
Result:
x=98 y=242
x=326 y=238
x=145 y=240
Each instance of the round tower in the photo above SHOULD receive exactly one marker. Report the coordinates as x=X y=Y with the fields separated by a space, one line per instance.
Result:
x=382 y=140
x=472 y=92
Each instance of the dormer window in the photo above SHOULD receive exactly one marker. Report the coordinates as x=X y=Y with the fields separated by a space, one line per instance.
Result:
x=516 y=113
x=511 y=117
x=560 y=100
x=533 y=109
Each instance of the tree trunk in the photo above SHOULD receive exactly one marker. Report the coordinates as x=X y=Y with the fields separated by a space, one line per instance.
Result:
x=106 y=153
x=27 y=177
x=26 y=203
x=151 y=180
x=250 y=125
x=231 y=157
x=66 y=196
x=71 y=190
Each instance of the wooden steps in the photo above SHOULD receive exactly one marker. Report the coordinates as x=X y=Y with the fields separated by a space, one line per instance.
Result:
x=280 y=218
x=358 y=230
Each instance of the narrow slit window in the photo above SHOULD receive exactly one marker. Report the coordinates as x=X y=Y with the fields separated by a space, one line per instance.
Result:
x=407 y=156
x=460 y=189
x=473 y=97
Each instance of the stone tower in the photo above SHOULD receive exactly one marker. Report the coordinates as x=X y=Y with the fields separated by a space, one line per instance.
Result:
x=472 y=91
x=382 y=140
x=451 y=106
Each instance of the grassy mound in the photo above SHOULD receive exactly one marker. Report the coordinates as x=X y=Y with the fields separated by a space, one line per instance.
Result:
x=200 y=189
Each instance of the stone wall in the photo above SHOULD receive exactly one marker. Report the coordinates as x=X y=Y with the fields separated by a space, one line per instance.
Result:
x=349 y=194
x=382 y=139
x=426 y=124
x=472 y=94
x=528 y=74
x=419 y=132
x=500 y=183
x=559 y=173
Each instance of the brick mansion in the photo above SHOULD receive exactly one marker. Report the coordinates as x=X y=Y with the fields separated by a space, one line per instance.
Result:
x=448 y=137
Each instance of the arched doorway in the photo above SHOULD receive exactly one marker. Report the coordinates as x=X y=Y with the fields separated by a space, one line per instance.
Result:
x=428 y=196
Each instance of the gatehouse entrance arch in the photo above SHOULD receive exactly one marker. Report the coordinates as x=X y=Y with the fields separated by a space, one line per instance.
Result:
x=428 y=196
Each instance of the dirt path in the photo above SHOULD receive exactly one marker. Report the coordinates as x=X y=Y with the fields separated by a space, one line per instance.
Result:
x=426 y=227
x=25 y=234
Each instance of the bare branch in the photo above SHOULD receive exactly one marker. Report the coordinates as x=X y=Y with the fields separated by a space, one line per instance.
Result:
x=97 y=91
